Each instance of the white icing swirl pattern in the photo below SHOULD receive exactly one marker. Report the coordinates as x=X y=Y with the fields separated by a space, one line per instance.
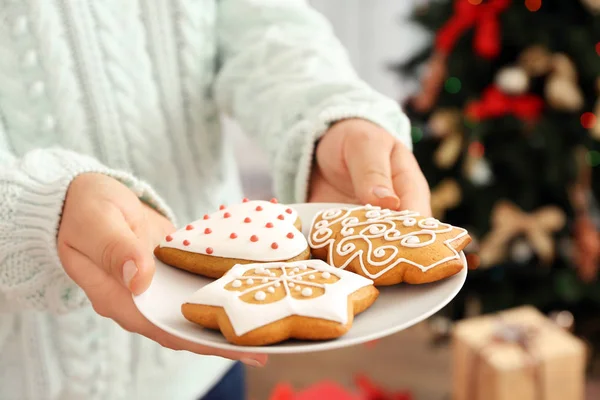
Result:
x=380 y=224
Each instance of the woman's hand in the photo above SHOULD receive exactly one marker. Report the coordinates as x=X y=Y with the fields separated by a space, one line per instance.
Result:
x=105 y=243
x=359 y=162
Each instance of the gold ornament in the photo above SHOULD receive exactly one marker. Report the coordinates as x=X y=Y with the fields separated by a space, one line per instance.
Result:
x=536 y=61
x=444 y=196
x=446 y=125
x=562 y=91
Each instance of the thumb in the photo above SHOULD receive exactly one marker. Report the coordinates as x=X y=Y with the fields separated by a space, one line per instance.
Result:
x=368 y=161
x=114 y=247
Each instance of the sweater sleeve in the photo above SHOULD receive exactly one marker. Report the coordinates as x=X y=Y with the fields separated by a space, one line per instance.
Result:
x=285 y=78
x=32 y=193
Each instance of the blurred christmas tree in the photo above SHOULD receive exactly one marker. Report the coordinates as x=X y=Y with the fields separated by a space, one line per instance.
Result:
x=506 y=127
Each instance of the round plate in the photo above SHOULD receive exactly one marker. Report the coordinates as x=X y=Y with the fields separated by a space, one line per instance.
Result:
x=398 y=307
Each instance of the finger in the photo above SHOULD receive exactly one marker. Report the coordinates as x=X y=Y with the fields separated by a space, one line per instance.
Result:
x=106 y=238
x=368 y=160
x=113 y=301
x=409 y=183
x=321 y=191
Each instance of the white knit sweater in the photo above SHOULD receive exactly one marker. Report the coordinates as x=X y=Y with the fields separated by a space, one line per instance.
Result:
x=134 y=89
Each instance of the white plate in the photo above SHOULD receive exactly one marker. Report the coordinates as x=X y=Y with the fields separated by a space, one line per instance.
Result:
x=397 y=308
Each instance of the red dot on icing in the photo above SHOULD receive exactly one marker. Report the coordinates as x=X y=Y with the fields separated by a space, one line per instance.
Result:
x=226 y=215
x=189 y=228
x=290 y=235
x=254 y=238
x=206 y=216
x=280 y=216
x=207 y=231
x=269 y=225
x=209 y=250
x=289 y=211
x=247 y=220
x=169 y=238
x=186 y=242
x=222 y=207
x=274 y=246
x=245 y=200
x=233 y=235
x=274 y=200
x=259 y=208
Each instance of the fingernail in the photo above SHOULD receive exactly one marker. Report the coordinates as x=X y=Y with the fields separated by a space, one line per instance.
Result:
x=382 y=192
x=251 y=362
x=129 y=271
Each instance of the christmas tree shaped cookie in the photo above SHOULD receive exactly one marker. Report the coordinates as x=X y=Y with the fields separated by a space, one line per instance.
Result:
x=387 y=246
x=252 y=231
x=260 y=304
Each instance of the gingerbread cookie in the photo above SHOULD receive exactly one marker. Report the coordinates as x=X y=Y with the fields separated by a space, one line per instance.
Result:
x=261 y=304
x=249 y=232
x=387 y=246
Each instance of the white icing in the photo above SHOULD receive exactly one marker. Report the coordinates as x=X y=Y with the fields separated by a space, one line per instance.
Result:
x=250 y=281
x=303 y=267
x=299 y=278
x=332 y=305
x=326 y=275
x=296 y=270
x=291 y=284
x=242 y=247
x=265 y=280
x=311 y=276
x=237 y=283
x=379 y=224
x=297 y=288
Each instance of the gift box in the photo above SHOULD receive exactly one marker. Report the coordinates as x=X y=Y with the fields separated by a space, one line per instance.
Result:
x=516 y=354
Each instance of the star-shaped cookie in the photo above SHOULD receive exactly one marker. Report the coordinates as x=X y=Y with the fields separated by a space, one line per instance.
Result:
x=266 y=303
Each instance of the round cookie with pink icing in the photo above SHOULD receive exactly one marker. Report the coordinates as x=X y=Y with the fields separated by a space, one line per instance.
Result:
x=248 y=232
x=262 y=304
x=388 y=246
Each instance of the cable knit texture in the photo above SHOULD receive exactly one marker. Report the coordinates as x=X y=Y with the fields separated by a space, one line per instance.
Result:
x=133 y=90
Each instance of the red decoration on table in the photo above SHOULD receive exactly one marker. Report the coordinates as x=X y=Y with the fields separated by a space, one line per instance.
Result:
x=245 y=200
x=169 y=238
x=495 y=103
x=370 y=391
x=233 y=235
x=207 y=231
x=290 y=235
x=206 y=216
x=280 y=216
x=483 y=17
x=186 y=242
x=254 y=238
x=274 y=246
x=269 y=225
x=274 y=200
x=259 y=208
x=247 y=220
x=209 y=250
x=222 y=207
x=189 y=227
x=325 y=390
x=226 y=215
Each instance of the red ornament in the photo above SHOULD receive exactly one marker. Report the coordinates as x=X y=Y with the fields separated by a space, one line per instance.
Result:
x=483 y=17
x=168 y=238
x=289 y=211
x=226 y=215
x=186 y=242
x=259 y=208
x=247 y=220
x=209 y=250
x=269 y=225
x=274 y=246
x=588 y=120
x=233 y=235
x=189 y=228
x=494 y=104
x=254 y=238
x=245 y=200
x=206 y=216
x=290 y=235
x=274 y=200
x=280 y=216
x=222 y=207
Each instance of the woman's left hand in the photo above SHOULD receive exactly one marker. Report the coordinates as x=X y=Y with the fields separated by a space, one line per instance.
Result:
x=360 y=162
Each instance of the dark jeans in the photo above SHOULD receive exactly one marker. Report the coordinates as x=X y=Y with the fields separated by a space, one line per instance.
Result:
x=231 y=387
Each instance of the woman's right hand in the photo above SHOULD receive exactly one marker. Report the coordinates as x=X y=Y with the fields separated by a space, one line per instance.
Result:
x=105 y=243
